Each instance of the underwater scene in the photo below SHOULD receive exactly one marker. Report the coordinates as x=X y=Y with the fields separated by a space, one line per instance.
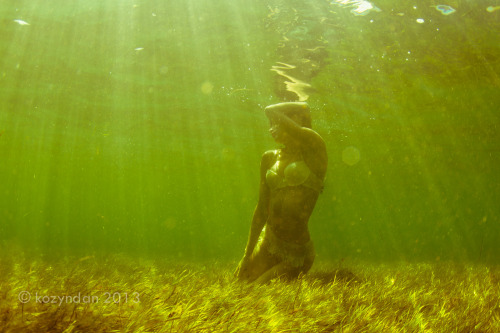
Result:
x=167 y=166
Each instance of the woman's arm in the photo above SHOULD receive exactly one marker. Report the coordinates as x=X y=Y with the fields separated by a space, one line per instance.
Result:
x=310 y=142
x=261 y=212
x=259 y=218
x=302 y=135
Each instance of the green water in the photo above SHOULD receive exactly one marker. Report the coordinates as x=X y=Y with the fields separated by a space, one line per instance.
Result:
x=137 y=126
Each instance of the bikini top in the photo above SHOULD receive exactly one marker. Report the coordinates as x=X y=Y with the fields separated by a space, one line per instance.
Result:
x=295 y=174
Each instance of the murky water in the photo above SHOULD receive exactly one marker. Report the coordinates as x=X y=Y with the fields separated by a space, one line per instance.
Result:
x=138 y=126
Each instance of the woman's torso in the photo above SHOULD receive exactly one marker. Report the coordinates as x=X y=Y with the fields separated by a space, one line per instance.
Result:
x=294 y=191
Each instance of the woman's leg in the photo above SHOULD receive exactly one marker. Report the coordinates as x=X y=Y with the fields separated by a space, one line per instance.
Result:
x=285 y=270
x=260 y=263
x=279 y=270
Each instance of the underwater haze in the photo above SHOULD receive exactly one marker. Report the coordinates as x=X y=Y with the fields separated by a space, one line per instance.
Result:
x=137 y=127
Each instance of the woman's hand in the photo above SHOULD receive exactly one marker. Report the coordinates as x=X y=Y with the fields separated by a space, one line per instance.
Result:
x=242 y=272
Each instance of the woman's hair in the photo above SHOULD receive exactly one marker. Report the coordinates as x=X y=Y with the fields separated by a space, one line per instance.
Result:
x=298 y=110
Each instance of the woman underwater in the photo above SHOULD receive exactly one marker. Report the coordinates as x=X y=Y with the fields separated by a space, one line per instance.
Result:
x=291 y=179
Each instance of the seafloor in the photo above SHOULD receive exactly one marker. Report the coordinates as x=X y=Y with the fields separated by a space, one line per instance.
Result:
x=126 y=294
